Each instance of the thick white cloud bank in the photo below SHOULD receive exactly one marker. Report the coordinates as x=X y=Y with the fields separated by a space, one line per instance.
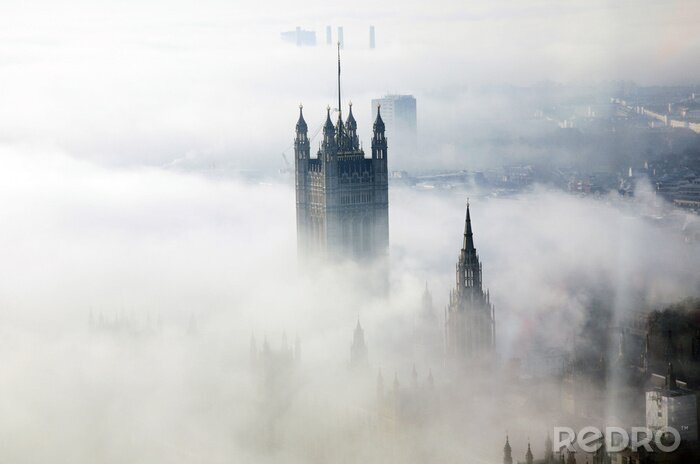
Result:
x=156 y=245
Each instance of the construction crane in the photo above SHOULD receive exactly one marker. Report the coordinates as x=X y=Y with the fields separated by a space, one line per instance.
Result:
x=287 y=167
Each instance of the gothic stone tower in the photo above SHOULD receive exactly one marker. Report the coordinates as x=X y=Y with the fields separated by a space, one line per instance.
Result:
x=342 y=198
x=470 y=326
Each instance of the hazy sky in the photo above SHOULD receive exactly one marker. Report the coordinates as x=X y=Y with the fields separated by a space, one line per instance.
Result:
x=198 y=83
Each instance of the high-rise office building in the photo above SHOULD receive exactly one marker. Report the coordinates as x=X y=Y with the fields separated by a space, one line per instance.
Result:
x=399 y=114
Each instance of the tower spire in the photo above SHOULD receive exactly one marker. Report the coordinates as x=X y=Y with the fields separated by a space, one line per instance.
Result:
x=468 y=244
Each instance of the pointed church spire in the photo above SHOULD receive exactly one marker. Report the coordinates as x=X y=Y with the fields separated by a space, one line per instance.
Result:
x=507 y=456
x=468 y=244
x=528 y=455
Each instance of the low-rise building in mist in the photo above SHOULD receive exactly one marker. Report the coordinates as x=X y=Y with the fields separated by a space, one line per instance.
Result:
x=673 y=405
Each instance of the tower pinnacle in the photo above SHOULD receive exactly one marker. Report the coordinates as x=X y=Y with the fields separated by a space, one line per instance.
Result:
x=468 y=244
x=507 y=453
x=301 y=123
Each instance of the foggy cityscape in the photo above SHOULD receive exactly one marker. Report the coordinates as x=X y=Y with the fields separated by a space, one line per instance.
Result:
x=363 y=233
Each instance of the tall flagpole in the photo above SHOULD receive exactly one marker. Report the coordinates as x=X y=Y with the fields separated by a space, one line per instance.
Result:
x=339 y=107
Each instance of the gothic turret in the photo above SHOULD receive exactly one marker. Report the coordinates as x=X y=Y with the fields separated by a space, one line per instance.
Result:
x=507 y=453
x=378 y=139
x=328 y=131
x=378 y=122
x=528 y=455
x=301 y=141
x=351 y=124
x=351 y=131
x=358 y=350
x=302 y=128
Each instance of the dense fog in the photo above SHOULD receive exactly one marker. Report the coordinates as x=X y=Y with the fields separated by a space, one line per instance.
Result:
x=193 y=266
x=148 y=242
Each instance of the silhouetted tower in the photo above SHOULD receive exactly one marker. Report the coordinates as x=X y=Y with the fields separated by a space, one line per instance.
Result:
x=342 y=197
x=358 y=350
x=470 y=327
x=371 y=37
x=507 y=453
x=528 y=455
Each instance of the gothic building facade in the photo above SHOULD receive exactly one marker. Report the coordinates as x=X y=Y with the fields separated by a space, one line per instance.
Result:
x=470 y=326
x=342 y=200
